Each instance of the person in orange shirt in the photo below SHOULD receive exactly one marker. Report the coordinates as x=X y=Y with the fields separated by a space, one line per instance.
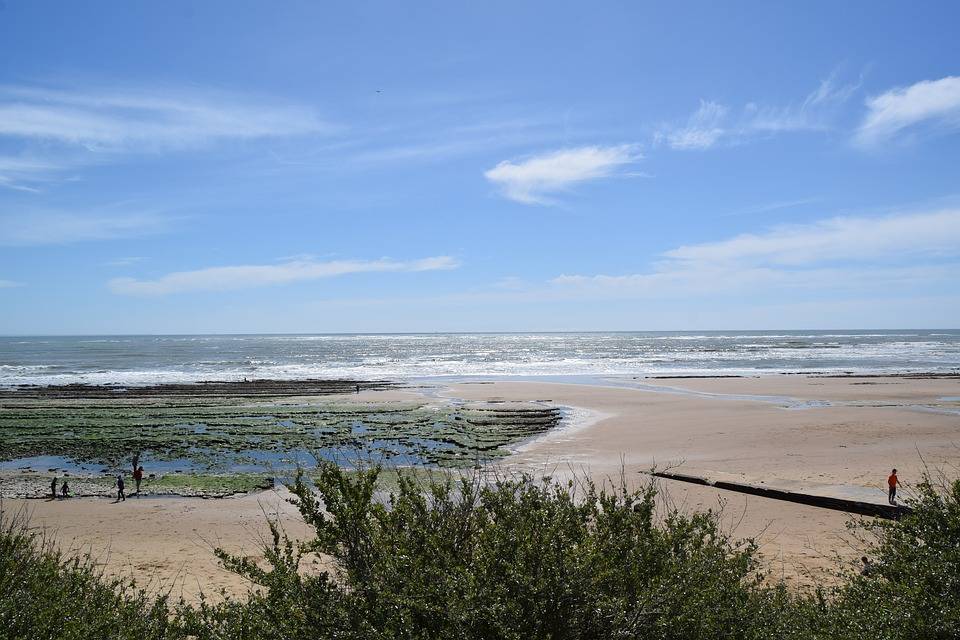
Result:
x=893 y=482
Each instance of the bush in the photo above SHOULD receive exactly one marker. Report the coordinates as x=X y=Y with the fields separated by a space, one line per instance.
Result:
x=44 y=595
x=515 y=559
x=912 y=589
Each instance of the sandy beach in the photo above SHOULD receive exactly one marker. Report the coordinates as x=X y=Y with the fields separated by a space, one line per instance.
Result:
x=833 y=436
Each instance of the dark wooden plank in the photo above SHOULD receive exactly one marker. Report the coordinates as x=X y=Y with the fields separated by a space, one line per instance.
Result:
x=890 y=512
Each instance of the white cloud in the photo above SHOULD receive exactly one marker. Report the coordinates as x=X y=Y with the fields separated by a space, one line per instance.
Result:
x=534 y=180
x=9 y=284
x=843 y=253
x=713 y=123
x=844 y=239
x=930 y=101
x=124 y=262
x=22 y=173
x=680 y=281
x=704 y=128
x=813 y=114
x=145 y=119
x=247 y=276
x=57 y=227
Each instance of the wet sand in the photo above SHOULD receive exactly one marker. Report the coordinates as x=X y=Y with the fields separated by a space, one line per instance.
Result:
x=843 y=443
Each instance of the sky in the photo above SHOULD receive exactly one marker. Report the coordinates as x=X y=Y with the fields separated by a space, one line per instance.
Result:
x=291 y=167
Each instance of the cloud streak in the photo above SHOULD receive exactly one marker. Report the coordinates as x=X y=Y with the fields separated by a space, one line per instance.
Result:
x=703 y=130
x=129 y=119
x=23 y=173
x=248 y=276
x=932 y=102
x=537 y=179
x=714 y=123
x=843 y=253
x=35 y=228
x=836 y=239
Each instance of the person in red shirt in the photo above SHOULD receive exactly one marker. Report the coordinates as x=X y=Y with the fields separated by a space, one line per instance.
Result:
x=138 y=477
x=893 y=482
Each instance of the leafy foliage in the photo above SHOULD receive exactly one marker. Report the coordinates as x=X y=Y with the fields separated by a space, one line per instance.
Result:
x=912 y=587
x=515 y=558
x=44 y=595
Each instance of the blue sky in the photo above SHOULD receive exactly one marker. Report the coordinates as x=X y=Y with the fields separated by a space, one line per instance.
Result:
x=186 y=167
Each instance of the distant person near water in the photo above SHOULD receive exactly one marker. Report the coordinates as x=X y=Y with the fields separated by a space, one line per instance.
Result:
x=64 y=489
x=120 y=494
x=137 y=478
x=53 y=488
x=893 y=482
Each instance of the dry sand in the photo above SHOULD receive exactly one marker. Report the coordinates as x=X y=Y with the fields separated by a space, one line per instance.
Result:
x=707 y=427
x=166 y=544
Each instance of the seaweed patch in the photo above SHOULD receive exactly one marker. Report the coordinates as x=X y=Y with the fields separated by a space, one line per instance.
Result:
x=205 y=432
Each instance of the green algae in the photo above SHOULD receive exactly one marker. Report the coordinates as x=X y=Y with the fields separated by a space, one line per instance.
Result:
x=221 y=433
x=27 y=485
x=209 y=484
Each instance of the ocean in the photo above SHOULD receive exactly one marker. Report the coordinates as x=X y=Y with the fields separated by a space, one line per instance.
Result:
x=140 y=360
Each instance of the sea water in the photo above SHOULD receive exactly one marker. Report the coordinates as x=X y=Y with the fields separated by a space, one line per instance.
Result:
x=139 y=360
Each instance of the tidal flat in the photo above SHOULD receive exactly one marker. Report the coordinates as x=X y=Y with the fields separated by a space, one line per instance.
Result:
x=225 y=438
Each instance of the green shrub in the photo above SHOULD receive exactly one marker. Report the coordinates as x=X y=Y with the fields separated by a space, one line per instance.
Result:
x=515 y=558
x=912 y=588
x=44 y=595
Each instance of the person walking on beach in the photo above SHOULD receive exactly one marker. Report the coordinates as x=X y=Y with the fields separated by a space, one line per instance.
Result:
x=64 y=489
x=893 y=482
x=120 y=494
x=137 y=478
x=53 y=488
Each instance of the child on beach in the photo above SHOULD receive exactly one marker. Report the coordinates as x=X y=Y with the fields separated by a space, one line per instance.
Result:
x=64 y=489
x=120 y=494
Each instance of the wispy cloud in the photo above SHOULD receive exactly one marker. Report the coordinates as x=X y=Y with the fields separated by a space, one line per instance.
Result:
x=770 y=206
x=814 y=113
x=535 y=179
x=25 y=173
x=412 y=139
x=836 y=239
x=59 y=227
x=125 y=119
x=703 y=130
x=844 y=253
x=714 y=123
x=932 y=102
x=124 y=262
x=9 y=284
x=247 y=276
